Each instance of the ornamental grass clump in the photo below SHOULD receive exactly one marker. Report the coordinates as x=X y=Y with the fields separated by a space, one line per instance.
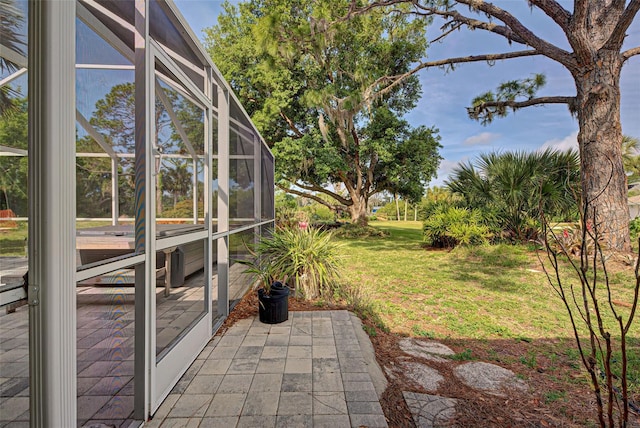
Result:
x=307 y=257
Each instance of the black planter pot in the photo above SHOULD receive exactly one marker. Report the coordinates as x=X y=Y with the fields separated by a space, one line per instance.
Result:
x=274 y=307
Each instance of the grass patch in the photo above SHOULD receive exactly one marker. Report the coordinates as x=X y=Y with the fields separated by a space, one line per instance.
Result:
x=466 y=355
x=488 y=293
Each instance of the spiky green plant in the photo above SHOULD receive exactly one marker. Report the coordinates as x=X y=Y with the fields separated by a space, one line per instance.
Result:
x=308 y=257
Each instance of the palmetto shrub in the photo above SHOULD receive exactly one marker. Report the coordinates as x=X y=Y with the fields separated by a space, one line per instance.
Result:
x=452 y=226
x=516 y=188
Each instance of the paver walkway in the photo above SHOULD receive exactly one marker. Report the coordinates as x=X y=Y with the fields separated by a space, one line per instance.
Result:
x=306 y=372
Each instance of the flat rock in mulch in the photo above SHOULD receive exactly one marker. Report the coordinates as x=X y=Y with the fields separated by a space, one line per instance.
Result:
x=421 y=374
x=489 y=378
x=426 y=349
x=430 y=411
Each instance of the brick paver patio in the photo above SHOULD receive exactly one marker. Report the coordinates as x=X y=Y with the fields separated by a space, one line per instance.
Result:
x=306 y=372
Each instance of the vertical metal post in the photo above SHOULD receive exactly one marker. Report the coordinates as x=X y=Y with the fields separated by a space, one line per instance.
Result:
x=208 y=197
x=52 y=212
x=144 y=354
x=194 y=184
x=257 y=187
x=115 y=206
x=223 y=200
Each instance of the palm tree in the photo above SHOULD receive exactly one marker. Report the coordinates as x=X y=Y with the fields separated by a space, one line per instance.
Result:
x=11 y=21
x=516 y=188
x=630 y=157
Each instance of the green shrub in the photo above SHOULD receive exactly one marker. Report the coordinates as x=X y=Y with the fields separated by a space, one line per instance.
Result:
x=634 y=228
x=353 y=230
x=307 y=257
x=450 y=227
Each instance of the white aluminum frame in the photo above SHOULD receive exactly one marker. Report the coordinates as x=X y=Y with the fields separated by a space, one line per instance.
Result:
x=52 y=232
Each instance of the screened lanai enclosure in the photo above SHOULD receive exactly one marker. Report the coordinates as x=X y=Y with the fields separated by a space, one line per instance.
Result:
x=132 y=182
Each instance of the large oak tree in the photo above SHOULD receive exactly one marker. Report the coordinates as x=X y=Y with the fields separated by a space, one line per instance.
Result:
x=595 y=31
x=325 y=96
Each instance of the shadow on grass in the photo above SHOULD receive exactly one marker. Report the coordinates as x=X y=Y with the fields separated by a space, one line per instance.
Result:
x=496 y=267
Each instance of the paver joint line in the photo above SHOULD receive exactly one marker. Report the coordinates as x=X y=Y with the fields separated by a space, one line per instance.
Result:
x=308 y=371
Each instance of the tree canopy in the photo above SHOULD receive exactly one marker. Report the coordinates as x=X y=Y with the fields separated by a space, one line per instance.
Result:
x=326 y=97
x=595 y=31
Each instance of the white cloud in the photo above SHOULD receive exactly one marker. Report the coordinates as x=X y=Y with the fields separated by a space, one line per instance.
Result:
x=481 y=139
x=446 y=167
x=568 y=142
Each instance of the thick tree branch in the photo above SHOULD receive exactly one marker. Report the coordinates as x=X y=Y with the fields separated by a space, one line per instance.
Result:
x=392 y=81
x=618 y=33
x=513 y=31
x=555 y=11
x=458 y=19
x=630 y=52
x=541 y=45
x=292 y=125
x=527 y=103
x=320 y=189
x=307 y=195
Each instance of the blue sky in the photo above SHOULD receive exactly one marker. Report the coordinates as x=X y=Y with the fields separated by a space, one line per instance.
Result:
x=445 y=96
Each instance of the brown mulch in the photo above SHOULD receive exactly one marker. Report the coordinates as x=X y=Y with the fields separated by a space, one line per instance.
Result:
x=559 y=393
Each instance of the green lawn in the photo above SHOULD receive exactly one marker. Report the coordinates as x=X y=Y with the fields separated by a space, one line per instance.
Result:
x=487 y=292
x=485 y=298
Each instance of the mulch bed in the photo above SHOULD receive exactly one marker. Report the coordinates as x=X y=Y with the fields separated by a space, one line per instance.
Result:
x=573 y=406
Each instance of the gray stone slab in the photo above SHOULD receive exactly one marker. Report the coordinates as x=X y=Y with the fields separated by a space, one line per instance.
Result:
x=425 y=376
x=181 y=423
x=280 y=329
x=364 y=408
x=274 y=352
x=215 y=366
x=298 y=352
x=277 y=340
x=223 y=352
x=266 y=382
x=239 y=383
x=326 y=365
x=295 y=403
x=300 y=340
x=219 y=422
x=226 y=405
x=271 y=365
x=256 y=422
x=249 y=352
x=298 y=365
x=369 y=421
x=327 y=381
x=294 y=421
x=359 y=386
x=331 y=421
x=190 y=405
x=297 y=382
x=204 y=384
x=243 y=366
x=329 y=403
x=367 y=395
x=427 y=349
x=254 y=340
x=430 y=411
x=260 y=403
x=488 y=378
x=324 y=351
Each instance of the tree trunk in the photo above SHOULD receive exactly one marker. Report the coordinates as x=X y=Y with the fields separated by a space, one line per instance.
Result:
x=358 y=211
x=397 y=207
x=604 y=183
